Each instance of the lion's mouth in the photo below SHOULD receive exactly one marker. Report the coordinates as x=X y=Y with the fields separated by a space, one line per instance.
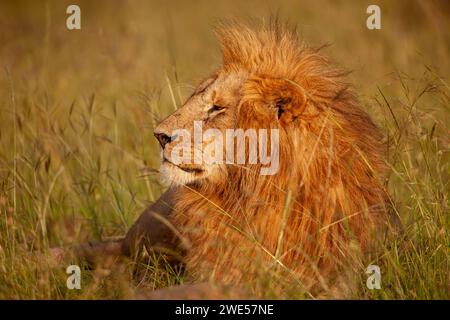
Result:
x=194 y=170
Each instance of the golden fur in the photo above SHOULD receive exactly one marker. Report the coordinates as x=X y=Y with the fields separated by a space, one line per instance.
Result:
x=327 y=200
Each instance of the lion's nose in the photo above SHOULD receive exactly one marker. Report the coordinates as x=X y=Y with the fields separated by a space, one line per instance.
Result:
x=163 y=138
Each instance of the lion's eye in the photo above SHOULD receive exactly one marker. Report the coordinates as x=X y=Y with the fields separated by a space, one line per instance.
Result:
x=215 y=108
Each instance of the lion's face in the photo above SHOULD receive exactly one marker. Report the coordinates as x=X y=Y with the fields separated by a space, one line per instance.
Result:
x=213 y=105
x=197 y=145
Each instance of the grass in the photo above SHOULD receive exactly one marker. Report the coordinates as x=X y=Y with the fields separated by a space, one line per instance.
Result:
x=77 y=110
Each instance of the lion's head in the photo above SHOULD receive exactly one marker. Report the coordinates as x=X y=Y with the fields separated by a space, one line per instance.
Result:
x=214 y=105
x=330 y=159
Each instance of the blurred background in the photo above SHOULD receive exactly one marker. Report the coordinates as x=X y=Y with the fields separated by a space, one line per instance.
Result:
x=77 y=108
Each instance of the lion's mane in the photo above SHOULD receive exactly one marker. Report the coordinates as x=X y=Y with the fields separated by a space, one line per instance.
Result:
x=327 y=200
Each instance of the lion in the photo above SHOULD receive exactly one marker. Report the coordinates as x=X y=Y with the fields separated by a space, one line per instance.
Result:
x=325 y=204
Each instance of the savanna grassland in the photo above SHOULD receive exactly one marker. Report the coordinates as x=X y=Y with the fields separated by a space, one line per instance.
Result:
x=77 y=108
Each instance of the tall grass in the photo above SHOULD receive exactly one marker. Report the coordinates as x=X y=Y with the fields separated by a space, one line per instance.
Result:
x=77 y=110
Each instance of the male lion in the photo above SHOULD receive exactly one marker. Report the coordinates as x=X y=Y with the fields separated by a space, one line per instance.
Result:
x=322 y=207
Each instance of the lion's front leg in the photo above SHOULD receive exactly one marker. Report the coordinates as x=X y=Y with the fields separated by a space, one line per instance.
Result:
x=153 y=230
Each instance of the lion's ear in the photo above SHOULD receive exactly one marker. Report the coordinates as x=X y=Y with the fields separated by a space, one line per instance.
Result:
x=285 y=96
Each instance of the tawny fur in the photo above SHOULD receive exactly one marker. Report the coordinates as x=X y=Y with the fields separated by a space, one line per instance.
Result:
x=331 y=163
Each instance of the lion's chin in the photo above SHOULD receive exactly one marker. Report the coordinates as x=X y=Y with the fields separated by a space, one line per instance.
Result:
x=173 y=175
